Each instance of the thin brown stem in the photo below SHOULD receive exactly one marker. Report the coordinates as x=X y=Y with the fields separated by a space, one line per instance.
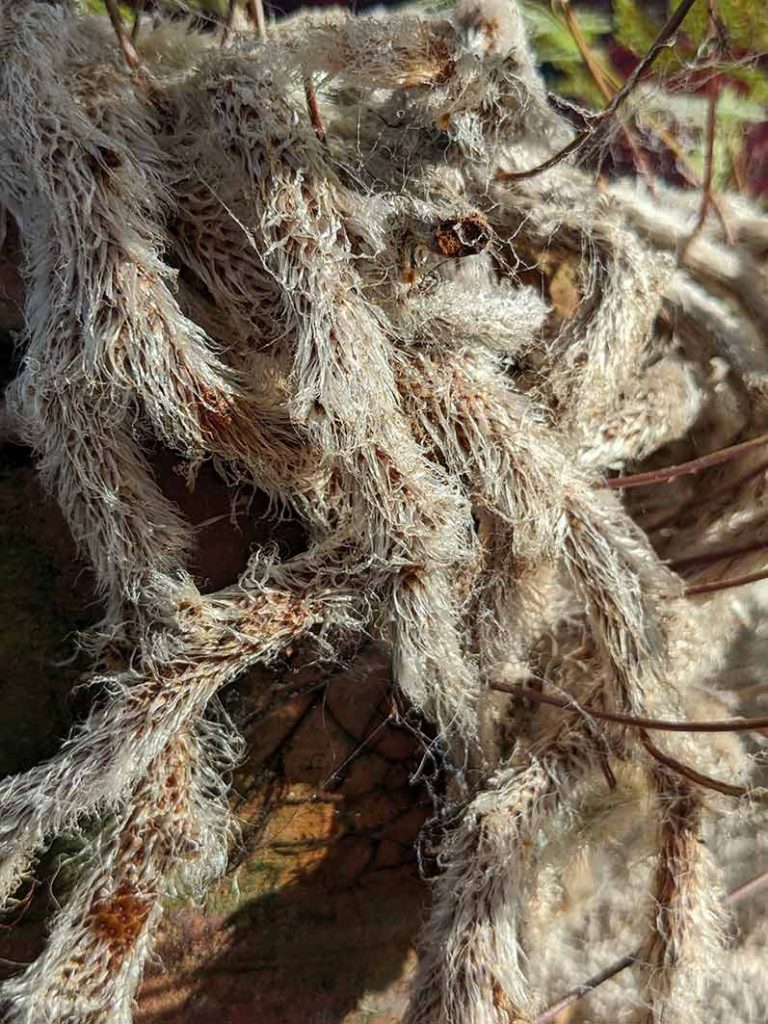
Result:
x=718 y=555
x=739 y=170
x=229 y=21
x=747 y=888
x=587 y=56
x=718 y=38
x=130 y=55
x=709 y=166
x=314 y=110
x=698 y=778
x=572 y=147
x=137 y=12
x=606 y=89
x=657 y=476
x=727 y=584
x=662 y=39
x=553 y=1013
x=606 y=116
x=668 y=139
x=653 y=128
x=635 y=721
x=728 y=490
x=256 y=11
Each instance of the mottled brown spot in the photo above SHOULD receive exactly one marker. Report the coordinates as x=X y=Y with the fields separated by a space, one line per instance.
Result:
x=103 y=157
x=216 y=414
x=435 y=66
x=467 y=236
x=118 y=919
x=502 y=1002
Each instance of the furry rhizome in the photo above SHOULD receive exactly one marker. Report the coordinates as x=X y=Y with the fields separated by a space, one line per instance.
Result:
x=348 y=332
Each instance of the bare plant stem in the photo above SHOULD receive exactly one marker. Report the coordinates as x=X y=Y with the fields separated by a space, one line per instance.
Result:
x=698 y=778
x=718 y=555
x=709 y=157
x=587 y=56
x=727 y=584
x=256 y=10
x=747 y=888
x=606 y=116
x=739 y=170
x=138 y=9
x=728 y=490
x=608 y=84
x=606 y=89
x=126 y=44
x=636 y=721
x=554 y=1013
x=685 y=164
x=314 y=110
x=706 y=781
x=658 y=476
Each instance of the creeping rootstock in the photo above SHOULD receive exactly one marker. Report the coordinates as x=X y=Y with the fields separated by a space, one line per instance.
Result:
x=307 y=260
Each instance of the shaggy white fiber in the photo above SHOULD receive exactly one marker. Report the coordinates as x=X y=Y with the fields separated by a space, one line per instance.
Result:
x=334 y=313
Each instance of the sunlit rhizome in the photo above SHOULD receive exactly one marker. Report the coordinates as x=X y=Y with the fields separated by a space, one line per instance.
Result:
x=336 y=302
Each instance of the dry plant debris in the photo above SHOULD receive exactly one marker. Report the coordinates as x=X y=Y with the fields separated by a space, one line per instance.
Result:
x=311 y=259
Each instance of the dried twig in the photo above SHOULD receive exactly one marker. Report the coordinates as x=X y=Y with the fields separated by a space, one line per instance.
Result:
x=700 y=501
x=256 y=10
x=608 y=84
x=727 y=584
x=606 y=116
x=690 y=773
x=716 y=37
x=657 y=476
x=123 y=38
x=709 y=164
x=717 y=555
x=636 y=721
x=605 y=88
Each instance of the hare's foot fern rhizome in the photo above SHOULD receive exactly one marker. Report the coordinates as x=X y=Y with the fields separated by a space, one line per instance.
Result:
x=315 y=259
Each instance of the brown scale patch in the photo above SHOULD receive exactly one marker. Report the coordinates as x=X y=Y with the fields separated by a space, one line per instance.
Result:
x=502 y=1002
x=103 y=157
x=468 y=236
x=491 y=29
x=435 y=66
x=216 y=413
x=118 y=920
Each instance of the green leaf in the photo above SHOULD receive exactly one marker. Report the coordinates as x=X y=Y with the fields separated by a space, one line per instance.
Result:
x=745 y=20
x=634 y=29
x=552 y=41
